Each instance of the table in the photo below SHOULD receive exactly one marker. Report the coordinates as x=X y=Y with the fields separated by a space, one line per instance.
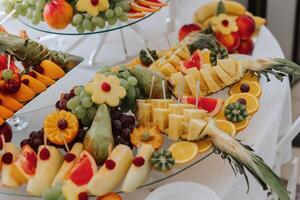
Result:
x=265 y=128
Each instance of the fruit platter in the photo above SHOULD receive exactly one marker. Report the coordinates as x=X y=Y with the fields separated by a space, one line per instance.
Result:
x=143 y=121
x=81 y=16
x=233 y=26
x=27 y=69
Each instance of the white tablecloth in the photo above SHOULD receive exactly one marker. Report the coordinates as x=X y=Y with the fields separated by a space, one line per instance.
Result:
x=268 y=124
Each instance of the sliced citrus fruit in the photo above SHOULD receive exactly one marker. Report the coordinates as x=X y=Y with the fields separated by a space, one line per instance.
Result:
x=226 y=126
x=183 y=151
x=254 y=88
x=133 y=14
x=141 y=8
x=154 y=3
x=204 y=145
x=250 y=77
x=1 y=121
x=252 y=104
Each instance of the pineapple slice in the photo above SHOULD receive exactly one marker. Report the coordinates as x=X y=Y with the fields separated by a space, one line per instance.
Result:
x=183 y=52
x=168 y=69
x=192 y=70
x=211 y=84
x=161 y=103
x=194 y=114
x=144 y=114
x=204 y=90
x=175 y=126
x=178 y=108
x=178 y=81
x=173 y=58
x=161 y=118
x=191 y=81
x=222 y=75
x=228 y=66
x=196 y=126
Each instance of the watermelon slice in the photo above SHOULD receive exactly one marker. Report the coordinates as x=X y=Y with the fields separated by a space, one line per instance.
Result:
x=132 y=14
x=195 y=61
x=211 y=105
x=155 y=3
x=27 y=162
x=84 y=170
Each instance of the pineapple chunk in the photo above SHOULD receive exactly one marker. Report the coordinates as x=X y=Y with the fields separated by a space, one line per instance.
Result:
x=223 y=76
x=194 y=114
x=210 y=82
x=228 y=66
x=144 y=114
x=161 y=103
x=168 y=69
x=178 y=108
x=175 y=126
x=161 y=118
x=173 y=58
x=206 y=56
x=191 y=81
x=196 y=127
x=183 y=52
x=192 y=70
x=178 y=81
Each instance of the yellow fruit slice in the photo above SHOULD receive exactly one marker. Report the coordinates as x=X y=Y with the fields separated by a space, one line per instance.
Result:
x=204 y=145
x=52 y=70
x=255 y=88
x=226 y=126
x=252 y=103
x=184 y=151
x=1 y=122
x=250 y=77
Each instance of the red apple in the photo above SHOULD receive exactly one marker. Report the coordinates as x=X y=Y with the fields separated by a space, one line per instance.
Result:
x=246 y=26
x=58 y=14
x=246 y=47
x=230 y=41
x=187 y=29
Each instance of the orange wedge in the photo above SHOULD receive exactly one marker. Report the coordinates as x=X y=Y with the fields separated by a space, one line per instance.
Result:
x=24 y=94
x=141 y=8
x=204 y=145
x=52 y=70
x=132 y=14
x=44 y=79
x=255 y=88
x=151 y=3
x=1 y=122
x=5 y=113
x=252 y=103
x=183 y=152
x=34 y=84
x=10 y=103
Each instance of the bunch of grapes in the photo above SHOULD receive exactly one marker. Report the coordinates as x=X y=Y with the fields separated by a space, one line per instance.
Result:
x=130 y=83
x=122 y=126
x=82 y=106
x=117 y=11
x=36 y=139
x=32 y=9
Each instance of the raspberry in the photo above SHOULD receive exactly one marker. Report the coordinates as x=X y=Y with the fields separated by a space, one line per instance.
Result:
x=94 y=2
x=138 y=161
x=110 y=164
x=242 y=101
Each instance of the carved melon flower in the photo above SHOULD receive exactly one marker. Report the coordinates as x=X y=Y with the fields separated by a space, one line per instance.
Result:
x=106 y=90
x=224 y=24
x=92 y=7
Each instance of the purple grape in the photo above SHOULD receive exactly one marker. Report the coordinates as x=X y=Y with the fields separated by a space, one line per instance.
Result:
x=23 y=143
x=115 y=113
x=117 y=125
x=57 y=104
x=125 y=133
x=37 y=142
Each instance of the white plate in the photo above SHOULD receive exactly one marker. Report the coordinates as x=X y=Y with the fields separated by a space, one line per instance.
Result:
x=183 y=191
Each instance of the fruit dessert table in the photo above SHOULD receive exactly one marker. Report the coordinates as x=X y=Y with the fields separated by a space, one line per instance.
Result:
x=263 y=132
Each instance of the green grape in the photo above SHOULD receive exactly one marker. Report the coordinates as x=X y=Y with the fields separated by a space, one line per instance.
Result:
x=111 y=5
x=124 y=83
x=124 y=5
x=130 y=93
x=87 y=102
x=92 y=112
x=132 y=81
x=99 y=21
x=86 y=122
x=125 y=74
x=77 y=19
x=80 y=29
x=118 y=11
x=137 y=91
x=109 y=13
x=123 y=17
x=18 y=8
x=80 y=112
x=112 y=21
x=116 y=1
x=78 y=90
x=83 y=94
x=93 y=28
x=73 y=103
x=87 y=24
x=7 y=74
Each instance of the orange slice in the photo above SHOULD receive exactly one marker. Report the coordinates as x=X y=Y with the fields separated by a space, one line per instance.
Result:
x=1 y=122
x=204 y=145
x=34 y=84
x=24 y=94
x=10 y=103
x=250 y=77
x=5 y=113
x=141 y=8
x=255 y=88
x=151 y=3
x=252 y=103
x=226 y=126
x=183 y=152
x=132 y=14
x=52 y=70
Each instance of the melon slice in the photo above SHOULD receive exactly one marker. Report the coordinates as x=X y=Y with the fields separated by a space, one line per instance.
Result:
x=5 y=113
x=84 y=170
x=52 y=70
x=141 y=8
x=24 y=94
x=27 y=162
x=10 y=103
x=194 y=62
x=1 y=122
x=44 y=79
x=132 y=14
x=154 y=3
x=211 y=105
x=34 y=84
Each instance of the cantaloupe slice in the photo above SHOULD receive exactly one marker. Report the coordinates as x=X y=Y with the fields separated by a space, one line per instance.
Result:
x=44 y=79
x=5 y=113
x=10 y=103
x=52 y=70
x=1 y=122
x=24 y=94
x=34 y=84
